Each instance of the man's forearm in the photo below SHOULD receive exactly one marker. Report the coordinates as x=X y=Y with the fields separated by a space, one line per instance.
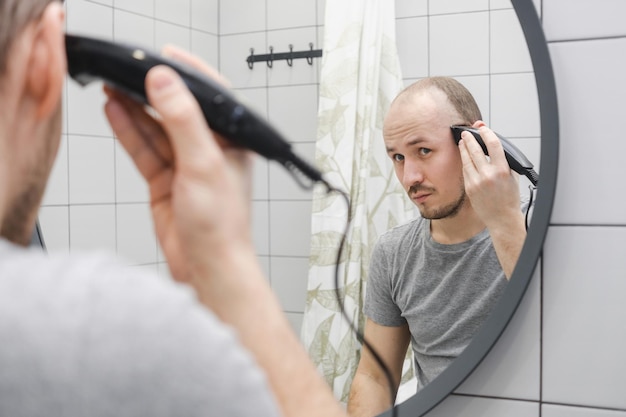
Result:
x=508 y=242
x=236 y=290
x=368 y=396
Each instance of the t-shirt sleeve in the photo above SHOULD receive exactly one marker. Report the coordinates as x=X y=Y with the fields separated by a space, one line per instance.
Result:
x=379 y=303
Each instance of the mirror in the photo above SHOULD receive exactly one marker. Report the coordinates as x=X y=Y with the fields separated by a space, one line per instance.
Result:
x=483 y=47
x=436 y=391
x=95 y=199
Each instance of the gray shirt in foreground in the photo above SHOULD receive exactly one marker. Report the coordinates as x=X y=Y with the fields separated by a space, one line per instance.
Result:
x=443 y=292
x=84 y=336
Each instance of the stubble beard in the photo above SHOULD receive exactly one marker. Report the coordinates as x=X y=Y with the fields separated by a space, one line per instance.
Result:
x=447 y=211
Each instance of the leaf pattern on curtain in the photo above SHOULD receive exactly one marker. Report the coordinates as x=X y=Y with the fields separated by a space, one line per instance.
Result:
x=360 y=76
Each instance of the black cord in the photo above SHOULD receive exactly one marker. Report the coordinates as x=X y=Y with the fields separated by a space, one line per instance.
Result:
x=530 y=203
x=360 y=336
x=298 y=168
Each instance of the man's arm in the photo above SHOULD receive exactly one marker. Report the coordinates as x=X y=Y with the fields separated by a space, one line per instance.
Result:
x=370 y=391
x=199 y=189
x=493 y=189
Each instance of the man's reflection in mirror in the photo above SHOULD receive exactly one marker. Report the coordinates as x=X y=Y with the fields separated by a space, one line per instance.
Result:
x=433 y=281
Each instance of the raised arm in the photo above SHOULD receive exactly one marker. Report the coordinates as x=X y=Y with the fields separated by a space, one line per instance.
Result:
x=370 y=392
x=199 y=189
x=493 y=189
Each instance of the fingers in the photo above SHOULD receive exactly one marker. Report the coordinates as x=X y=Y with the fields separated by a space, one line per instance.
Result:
x=141 y=137
x=479 y=168
x=181 y=118
x=494 y=146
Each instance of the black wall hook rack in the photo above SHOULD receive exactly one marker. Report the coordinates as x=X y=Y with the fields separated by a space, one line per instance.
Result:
x=288 y=56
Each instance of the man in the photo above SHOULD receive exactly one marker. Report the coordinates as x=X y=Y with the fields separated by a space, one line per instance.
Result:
x=84 y=336
x=433 y=281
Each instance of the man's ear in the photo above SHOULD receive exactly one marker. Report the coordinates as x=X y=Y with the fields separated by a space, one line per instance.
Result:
x=47 y=62
x=478 y=124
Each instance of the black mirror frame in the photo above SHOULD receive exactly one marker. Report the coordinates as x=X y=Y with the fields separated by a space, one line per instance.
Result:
x=462 y=367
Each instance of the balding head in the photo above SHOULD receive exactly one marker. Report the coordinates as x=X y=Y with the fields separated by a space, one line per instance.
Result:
x=459 y=97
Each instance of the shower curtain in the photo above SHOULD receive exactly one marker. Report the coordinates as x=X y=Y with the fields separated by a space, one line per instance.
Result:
x=360 y=75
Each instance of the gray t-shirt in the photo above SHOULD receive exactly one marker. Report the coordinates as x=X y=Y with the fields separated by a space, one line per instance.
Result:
x=443 y=292
x=85 y=336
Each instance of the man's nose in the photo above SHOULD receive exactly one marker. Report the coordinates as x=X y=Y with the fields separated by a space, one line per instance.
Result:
x=412 y=174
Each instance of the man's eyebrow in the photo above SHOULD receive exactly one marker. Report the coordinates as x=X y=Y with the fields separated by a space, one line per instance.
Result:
x=411 y=142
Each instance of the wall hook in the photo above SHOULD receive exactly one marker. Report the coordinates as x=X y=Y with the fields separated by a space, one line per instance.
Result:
x=309 y=59
x=290 y=57
x=270 y=61
x=250 y=59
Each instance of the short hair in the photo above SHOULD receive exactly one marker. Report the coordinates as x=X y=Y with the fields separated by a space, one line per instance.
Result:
x=14 y=16
x=459 y=96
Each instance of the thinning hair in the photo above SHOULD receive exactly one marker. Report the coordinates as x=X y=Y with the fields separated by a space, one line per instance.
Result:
x=459 y=96
x=15 y=15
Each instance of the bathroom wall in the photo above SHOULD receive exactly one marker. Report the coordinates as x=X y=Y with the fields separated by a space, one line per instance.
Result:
x=96 y=199
x=561 y=354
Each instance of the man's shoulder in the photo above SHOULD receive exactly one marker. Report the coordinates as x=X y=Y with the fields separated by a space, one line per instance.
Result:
x=403 y=231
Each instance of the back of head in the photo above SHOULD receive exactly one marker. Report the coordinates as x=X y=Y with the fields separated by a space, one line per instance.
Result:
x=459 y=97
x=14 y=16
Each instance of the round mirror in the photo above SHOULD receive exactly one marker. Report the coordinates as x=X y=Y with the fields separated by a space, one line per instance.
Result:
x=459 y=370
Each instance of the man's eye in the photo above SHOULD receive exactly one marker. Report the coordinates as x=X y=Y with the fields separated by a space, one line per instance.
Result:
x=425 y=151
x=397 y=157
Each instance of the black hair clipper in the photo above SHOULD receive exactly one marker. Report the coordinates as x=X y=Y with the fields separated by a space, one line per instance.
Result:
x=124 y=67
x=516 y=159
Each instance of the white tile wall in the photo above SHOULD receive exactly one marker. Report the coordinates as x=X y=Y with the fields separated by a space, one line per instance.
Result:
x=484 y=407
x=84 y=110
x=289 y=281
x=289 y=220
x=591 y=102
x=459 y=44
x=89 y=18
x=412 y=45
x=242 y=16
x=134 y=29
x=136 y=239
x=142 y=7
x=514 y=109
x=169 y=33
x=293 y=110
x=91 y=170
x=457 y=6
x=582 y=19
x=581 y=338
x=206 y=46
x=410 y=8
x=550 y=410
x=205 y=15
x=508 y=50
x=584 y=316
x=283 y=14
x=92 y=227
x=176 y=12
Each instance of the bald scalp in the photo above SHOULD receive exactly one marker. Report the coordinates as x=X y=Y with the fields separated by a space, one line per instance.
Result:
x=459 y=97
